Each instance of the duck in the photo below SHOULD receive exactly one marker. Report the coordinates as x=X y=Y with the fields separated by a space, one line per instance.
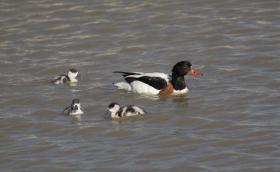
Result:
x=116 y=111
x=71 y=77
x=74 y=108
x=158 y=83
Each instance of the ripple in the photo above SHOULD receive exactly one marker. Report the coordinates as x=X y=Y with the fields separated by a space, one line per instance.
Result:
x=228 y=119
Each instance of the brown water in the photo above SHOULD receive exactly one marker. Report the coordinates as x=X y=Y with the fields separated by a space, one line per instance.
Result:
x=229 y=121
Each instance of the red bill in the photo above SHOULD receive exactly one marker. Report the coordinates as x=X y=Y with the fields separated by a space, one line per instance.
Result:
x=194 y=73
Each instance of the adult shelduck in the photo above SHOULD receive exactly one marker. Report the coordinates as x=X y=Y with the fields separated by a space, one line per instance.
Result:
x=158 y=83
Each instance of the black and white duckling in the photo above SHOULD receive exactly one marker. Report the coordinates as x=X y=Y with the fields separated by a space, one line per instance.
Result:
x=71 y=77
x=117 y=111
x=74 y=108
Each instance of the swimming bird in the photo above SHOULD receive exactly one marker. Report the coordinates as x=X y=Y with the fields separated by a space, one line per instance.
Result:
x=158 y=83
x=71 y=77
x=117 y=111
x=74 y=108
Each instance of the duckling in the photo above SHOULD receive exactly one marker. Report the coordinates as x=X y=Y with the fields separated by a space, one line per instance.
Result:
x=74 y=108
x=117 y=111
x=71 y=77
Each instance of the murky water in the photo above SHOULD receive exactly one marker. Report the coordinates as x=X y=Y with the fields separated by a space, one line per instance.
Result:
x=229 y=121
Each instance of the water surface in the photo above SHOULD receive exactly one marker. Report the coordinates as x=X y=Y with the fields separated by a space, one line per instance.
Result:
x=229 y=121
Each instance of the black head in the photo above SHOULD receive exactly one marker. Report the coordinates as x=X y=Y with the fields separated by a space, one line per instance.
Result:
x=75 y=101
x=181 y=68
x=73 y=70
x=111 y=105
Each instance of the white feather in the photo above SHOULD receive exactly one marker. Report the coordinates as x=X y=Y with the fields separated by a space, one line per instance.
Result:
x=179 y=92
x=142 y=88
x=139 y=110
x=72 y=76
x=77 y=112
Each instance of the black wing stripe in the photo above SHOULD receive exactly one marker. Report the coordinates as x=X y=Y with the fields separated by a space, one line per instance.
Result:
x=125 y=74
x=130 y=79
x=156 y=82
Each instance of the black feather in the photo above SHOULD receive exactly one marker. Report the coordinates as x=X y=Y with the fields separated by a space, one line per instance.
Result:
x=156 y=82
x=125 y=74
x=130 y=109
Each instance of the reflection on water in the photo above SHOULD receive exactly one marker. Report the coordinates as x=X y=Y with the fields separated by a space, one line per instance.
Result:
x=227 y=122
x=73 y=84
x=150 y=97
